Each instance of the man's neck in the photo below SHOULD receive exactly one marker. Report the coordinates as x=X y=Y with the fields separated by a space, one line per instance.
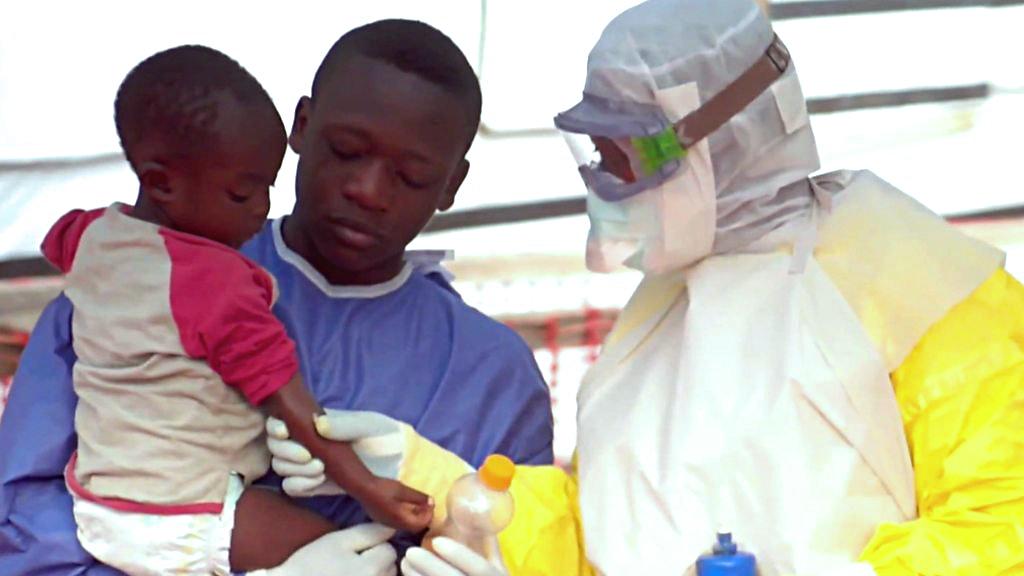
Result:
x=301 y=245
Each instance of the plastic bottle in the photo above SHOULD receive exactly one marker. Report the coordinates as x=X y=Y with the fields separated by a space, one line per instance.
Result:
x=726 y=559
x=479 y=507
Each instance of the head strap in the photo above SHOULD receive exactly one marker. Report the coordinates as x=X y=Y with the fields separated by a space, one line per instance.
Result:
x=698 y=124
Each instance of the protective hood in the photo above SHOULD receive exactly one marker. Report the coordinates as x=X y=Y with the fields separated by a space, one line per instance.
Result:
x=758 y=160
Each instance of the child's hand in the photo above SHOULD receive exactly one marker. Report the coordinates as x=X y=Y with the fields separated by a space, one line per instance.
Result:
x=395 y=504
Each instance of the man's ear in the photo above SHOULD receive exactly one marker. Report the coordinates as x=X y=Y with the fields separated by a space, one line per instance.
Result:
x=448 y=198
x=155 y=180
x=298 y=134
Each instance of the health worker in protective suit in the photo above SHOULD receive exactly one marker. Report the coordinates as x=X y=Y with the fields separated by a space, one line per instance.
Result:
x=818 y=363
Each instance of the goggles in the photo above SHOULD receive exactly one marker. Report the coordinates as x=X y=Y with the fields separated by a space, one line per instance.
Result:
x=623 y=149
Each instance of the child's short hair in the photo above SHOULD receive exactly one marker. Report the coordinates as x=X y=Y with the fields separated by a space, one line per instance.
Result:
x=174 y=93
x=416 y=48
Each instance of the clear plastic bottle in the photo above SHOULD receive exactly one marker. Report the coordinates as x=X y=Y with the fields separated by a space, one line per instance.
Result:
x=479 y=507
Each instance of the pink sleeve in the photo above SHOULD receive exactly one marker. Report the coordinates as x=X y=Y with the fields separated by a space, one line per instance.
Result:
x=221 y=303
x=61 y=242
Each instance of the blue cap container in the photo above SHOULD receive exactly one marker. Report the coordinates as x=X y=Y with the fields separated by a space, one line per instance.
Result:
x=726 y=560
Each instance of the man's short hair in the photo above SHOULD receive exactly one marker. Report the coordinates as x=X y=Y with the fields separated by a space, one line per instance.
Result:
x=173 y=93
x=415 y=48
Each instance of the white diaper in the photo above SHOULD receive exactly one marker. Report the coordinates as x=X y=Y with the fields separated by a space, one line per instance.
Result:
x=159 y=544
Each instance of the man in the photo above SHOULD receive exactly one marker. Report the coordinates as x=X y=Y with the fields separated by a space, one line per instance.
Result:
x=796 y=343
x=381 y=141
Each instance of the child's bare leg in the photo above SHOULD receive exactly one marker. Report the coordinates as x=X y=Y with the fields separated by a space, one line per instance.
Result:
x=269 y=529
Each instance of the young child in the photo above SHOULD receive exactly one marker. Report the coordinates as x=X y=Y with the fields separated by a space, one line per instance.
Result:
x=177 y=347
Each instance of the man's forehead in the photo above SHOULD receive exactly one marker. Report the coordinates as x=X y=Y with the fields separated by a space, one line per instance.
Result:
x=376 y=98
x=352 y=76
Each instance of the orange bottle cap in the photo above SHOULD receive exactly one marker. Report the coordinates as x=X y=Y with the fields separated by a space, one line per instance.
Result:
x=497 y=472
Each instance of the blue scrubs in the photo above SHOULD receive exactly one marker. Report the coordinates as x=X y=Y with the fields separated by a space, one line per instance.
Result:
x=409 y=348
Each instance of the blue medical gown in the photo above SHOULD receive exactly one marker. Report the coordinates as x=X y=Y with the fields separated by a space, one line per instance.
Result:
x=415 y=352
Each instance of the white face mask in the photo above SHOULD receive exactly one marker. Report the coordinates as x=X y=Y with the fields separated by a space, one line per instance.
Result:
x=665 y=228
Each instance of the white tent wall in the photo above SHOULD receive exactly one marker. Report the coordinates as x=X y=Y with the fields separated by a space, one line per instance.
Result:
x=61 y=63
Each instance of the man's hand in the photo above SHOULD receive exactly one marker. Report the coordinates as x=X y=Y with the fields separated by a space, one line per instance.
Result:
x=358 y=551
x=452 y=559
x=379 y=442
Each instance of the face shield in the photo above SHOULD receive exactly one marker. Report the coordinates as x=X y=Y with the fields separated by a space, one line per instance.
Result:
x=623 y=149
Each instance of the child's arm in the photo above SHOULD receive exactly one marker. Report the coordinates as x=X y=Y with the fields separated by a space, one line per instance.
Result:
x=221 y=305
x=385 y=500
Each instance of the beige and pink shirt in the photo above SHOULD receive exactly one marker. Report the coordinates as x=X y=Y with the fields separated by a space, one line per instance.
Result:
x=177 y=346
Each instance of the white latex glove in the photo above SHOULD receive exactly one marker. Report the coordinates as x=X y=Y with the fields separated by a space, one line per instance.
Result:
x=377 y=439
x=452 y=559
x=389 y=449
x=358 y=551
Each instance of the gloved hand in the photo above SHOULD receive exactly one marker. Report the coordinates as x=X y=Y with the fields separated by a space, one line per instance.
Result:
x=452 y=559
x=378 y=440
x=388 y=448
x=358 y=551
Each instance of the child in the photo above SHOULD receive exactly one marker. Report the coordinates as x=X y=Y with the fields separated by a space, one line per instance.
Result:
x=177 y=345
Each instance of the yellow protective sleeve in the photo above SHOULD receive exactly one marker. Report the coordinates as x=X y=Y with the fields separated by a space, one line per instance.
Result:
x=545 y=537
x=430 y=469
x=961 y=394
